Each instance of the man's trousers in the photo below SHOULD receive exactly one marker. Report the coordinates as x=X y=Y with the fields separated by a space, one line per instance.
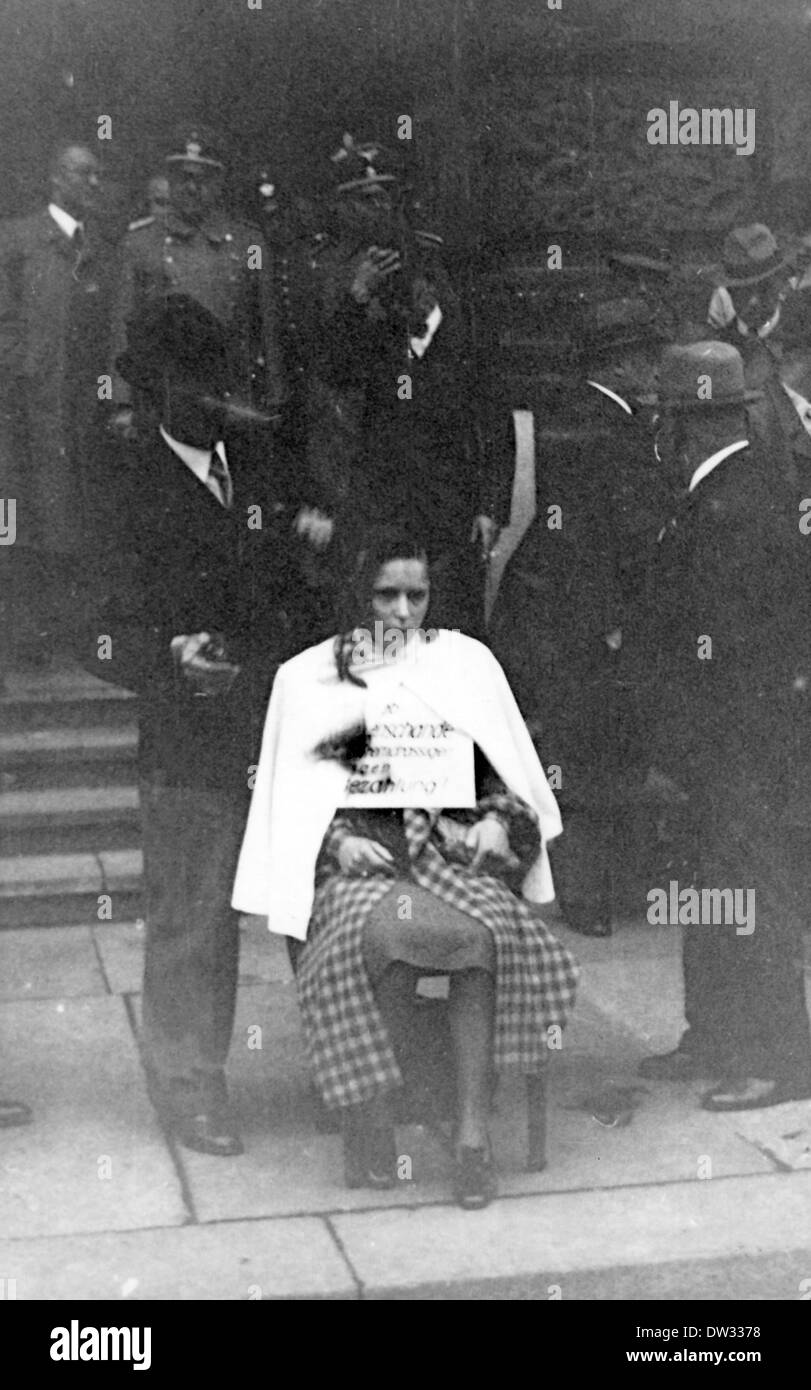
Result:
x=744 y=991
x=191 y=841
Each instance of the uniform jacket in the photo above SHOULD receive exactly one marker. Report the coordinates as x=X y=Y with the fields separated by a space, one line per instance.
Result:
x=211 y=265
x=377 y=452
x=54 y=320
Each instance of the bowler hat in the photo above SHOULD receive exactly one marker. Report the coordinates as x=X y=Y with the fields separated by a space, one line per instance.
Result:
x=702 y=376
x=175 y=333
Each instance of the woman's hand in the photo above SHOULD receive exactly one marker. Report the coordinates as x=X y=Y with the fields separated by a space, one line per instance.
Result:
x=491 y=846
x=359 y=856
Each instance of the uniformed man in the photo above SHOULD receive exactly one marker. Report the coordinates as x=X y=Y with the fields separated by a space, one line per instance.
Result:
x=391 y=400
x=221 y=262
x=292 y=227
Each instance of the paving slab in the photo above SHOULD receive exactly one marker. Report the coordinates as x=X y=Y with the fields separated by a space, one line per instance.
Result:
x=783 y=1132
x=262 y=954
x=94 y=1158
x=48 y=962
x=533 y=1244
x=290 y=1167
x=248 y=1260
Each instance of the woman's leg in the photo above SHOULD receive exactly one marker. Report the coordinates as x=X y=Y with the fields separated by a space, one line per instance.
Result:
x=471 y=1011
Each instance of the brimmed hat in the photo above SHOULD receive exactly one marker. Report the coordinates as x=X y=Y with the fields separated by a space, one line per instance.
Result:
x=194 y=144
x=176 y=332
x=751 y=254
x=702 y=376
x=362 y=168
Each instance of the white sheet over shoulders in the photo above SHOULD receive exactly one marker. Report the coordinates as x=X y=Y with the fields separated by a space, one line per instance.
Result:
x=296 y=793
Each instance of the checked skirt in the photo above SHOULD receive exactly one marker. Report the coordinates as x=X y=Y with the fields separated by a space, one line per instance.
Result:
x=348 y=1045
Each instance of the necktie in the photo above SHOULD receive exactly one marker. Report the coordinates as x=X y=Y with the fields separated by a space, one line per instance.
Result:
x=219 y=475
x=77 y=241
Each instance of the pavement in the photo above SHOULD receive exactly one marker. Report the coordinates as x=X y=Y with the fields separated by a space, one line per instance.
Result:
x=667 y=1202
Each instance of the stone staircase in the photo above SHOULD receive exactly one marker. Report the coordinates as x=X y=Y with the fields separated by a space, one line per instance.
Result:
x=69 y=830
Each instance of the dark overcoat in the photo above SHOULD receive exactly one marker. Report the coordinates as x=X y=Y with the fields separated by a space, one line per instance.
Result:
x=54 y=324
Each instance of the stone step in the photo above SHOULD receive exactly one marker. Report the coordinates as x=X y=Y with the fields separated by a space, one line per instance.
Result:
x=67 y=757
x=62 y=699
x=48 y=889
x=66 y=819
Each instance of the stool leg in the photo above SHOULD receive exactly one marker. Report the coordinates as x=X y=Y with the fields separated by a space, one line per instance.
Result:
x=536 y=1122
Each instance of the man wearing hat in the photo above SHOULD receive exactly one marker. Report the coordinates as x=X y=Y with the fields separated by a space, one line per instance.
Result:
x=222 y=263
x=746 y=305
x=563 y=625
x=197 y=633
x=731 y=663
x=391 y=411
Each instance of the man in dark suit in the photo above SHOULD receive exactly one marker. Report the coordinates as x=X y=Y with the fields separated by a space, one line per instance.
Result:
x=563 y=623
x=731 y=636
x=198 y=636
x=54 y=316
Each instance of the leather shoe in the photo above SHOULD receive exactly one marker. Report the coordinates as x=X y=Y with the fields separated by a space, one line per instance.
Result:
x=678 y=1065
x=208 y=1134
x=474 y=1178
x=14 y=1112
x=753 y=1093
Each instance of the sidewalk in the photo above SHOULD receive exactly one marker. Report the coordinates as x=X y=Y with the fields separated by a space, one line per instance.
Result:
x=671 y=1202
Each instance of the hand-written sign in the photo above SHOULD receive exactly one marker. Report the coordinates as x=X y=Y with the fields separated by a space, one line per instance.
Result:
x=414 y=758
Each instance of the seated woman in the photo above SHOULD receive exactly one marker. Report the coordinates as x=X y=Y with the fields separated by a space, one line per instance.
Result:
x=382 y=896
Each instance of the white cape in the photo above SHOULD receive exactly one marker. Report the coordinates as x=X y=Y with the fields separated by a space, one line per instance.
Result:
x=296 y=792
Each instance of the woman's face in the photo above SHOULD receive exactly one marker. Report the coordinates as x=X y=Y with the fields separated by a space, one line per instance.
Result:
x=400 y=594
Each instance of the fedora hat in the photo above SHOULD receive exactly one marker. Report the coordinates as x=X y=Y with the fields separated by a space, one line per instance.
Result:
x=702 y=376
x=751 y=254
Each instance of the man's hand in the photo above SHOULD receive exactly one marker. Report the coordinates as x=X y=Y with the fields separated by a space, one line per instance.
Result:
x=490 y=843
x=122 y=424
x=315 y=526
x=485 y=532
x=359 y=856
x=201 y=660
x=375 y=267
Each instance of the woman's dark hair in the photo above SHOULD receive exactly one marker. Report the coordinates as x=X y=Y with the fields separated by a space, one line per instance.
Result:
x=383 y=544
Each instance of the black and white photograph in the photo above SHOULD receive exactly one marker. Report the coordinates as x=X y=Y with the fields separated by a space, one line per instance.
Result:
x=405 y=661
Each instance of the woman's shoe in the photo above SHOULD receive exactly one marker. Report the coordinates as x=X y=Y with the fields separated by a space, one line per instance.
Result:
x=370 y=1154
x=474 y=1178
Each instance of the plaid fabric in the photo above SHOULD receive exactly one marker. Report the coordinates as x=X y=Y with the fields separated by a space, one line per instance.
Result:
x=536 y=977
